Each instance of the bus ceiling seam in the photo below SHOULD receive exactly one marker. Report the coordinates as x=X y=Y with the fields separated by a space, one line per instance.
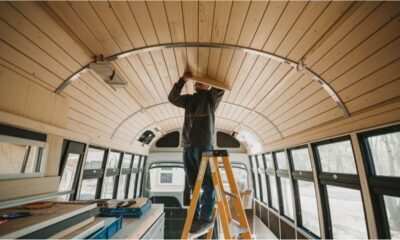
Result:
x=299 y=66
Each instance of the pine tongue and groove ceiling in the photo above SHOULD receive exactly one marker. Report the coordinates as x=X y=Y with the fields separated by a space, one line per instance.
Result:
x=354 y=47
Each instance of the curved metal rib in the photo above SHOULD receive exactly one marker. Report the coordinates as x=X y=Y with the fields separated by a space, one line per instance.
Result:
x=299 y=66
x=224 y=102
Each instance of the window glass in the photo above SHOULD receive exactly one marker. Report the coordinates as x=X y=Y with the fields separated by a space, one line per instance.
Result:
x=139 y=182
x=126 y=161
x=18 y=158
x=308 y=206
x=392 y=205
x=287 y=198
x=255 y=171
x=269 y=161
x=348 y=203
x=122 y=186
x=240 y=174
x=132 y=183
x=108 y=188
x=274 y=192
x=167 y=179
x=263 y=177
x=281 y=160
x=113 y=160
x=88 y=189
x=94 y=159
x=68 y=174
x=301 y=159
x=385 y=152
x=337 y=157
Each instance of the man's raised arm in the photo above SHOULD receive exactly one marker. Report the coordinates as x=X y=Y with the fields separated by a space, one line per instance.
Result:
x=175 y=96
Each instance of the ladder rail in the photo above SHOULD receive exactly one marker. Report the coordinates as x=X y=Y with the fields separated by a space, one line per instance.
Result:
x=221 y=203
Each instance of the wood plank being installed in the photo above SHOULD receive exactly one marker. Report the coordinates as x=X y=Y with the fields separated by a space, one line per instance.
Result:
x=41 y=218
x=209 y=82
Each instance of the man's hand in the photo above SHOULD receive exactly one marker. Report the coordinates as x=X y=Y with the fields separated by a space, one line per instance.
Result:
x=186 y=76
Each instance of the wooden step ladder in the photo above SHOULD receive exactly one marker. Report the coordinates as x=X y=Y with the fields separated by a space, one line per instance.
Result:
x=230 y=227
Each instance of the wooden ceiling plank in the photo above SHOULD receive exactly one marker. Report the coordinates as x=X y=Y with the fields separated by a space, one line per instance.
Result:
x=94 y=92
x=356 y=36
x=160 y=64
x=143 y=93
x=112 y=24
x=119 y=97
x=324 y=118
x=170 y=61
x=153 y=74
x=377 y=96
x=203 y=59
x=160 y=22
x=20 y=43
x=190 y=12
x=380 y=59
x=221 y=19
x=128 y=22
x=236 y=21
x=286 y=80
x=37 y=14
x=308 y=17
x=206 y=20
x=284 y=25
x=252 y=100
x=341 y=29
x=130 y=89
x=26 y=75
x=234 y=67
x=251 y=25
x=243 y=72
x=214 y=59
x=28 y=65
x=374 y=52
x=326 y=21
x=70 y=18
x=137 y=65
x=224 y=63
x=272 y=15
x=85 y=118
x=293 y=88
x=93 y=22
x=316 y=104
x=311 y=88
x=367 y=84
x=254 y=74
x=144 y=21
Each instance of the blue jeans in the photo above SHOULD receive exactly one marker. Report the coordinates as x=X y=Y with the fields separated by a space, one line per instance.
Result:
x=191 y=160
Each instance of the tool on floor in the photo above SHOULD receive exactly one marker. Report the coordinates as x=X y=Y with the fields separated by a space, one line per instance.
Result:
x=231 y=228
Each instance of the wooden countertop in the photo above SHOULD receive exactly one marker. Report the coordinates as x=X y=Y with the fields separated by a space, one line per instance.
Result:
x=134 y=228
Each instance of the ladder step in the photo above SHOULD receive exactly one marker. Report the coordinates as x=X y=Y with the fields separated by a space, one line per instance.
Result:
x=232 y=195
x=201 y=233
x=236 y=229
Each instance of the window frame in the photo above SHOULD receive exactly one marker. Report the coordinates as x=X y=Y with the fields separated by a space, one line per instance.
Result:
x=125 y=171
x=343 y=180
x=305 y=176
x=94 y=173
x=379 y=185
x=283 y=173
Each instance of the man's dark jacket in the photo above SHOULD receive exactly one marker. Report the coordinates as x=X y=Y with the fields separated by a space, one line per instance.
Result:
x=198 y=128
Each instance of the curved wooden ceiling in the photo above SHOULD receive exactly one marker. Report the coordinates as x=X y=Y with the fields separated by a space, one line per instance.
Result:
x=353 y=46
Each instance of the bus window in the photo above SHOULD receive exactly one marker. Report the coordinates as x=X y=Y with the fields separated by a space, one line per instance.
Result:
x=112 y=171
x=381 y=152
x=92 y=174
x=304 y=189
x=124 y=175
x=285 y=184
x=337 y=167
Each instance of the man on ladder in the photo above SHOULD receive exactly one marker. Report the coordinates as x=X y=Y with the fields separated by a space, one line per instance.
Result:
x=198 y=134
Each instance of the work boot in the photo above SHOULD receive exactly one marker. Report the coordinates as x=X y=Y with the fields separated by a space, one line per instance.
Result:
x=199 y=226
